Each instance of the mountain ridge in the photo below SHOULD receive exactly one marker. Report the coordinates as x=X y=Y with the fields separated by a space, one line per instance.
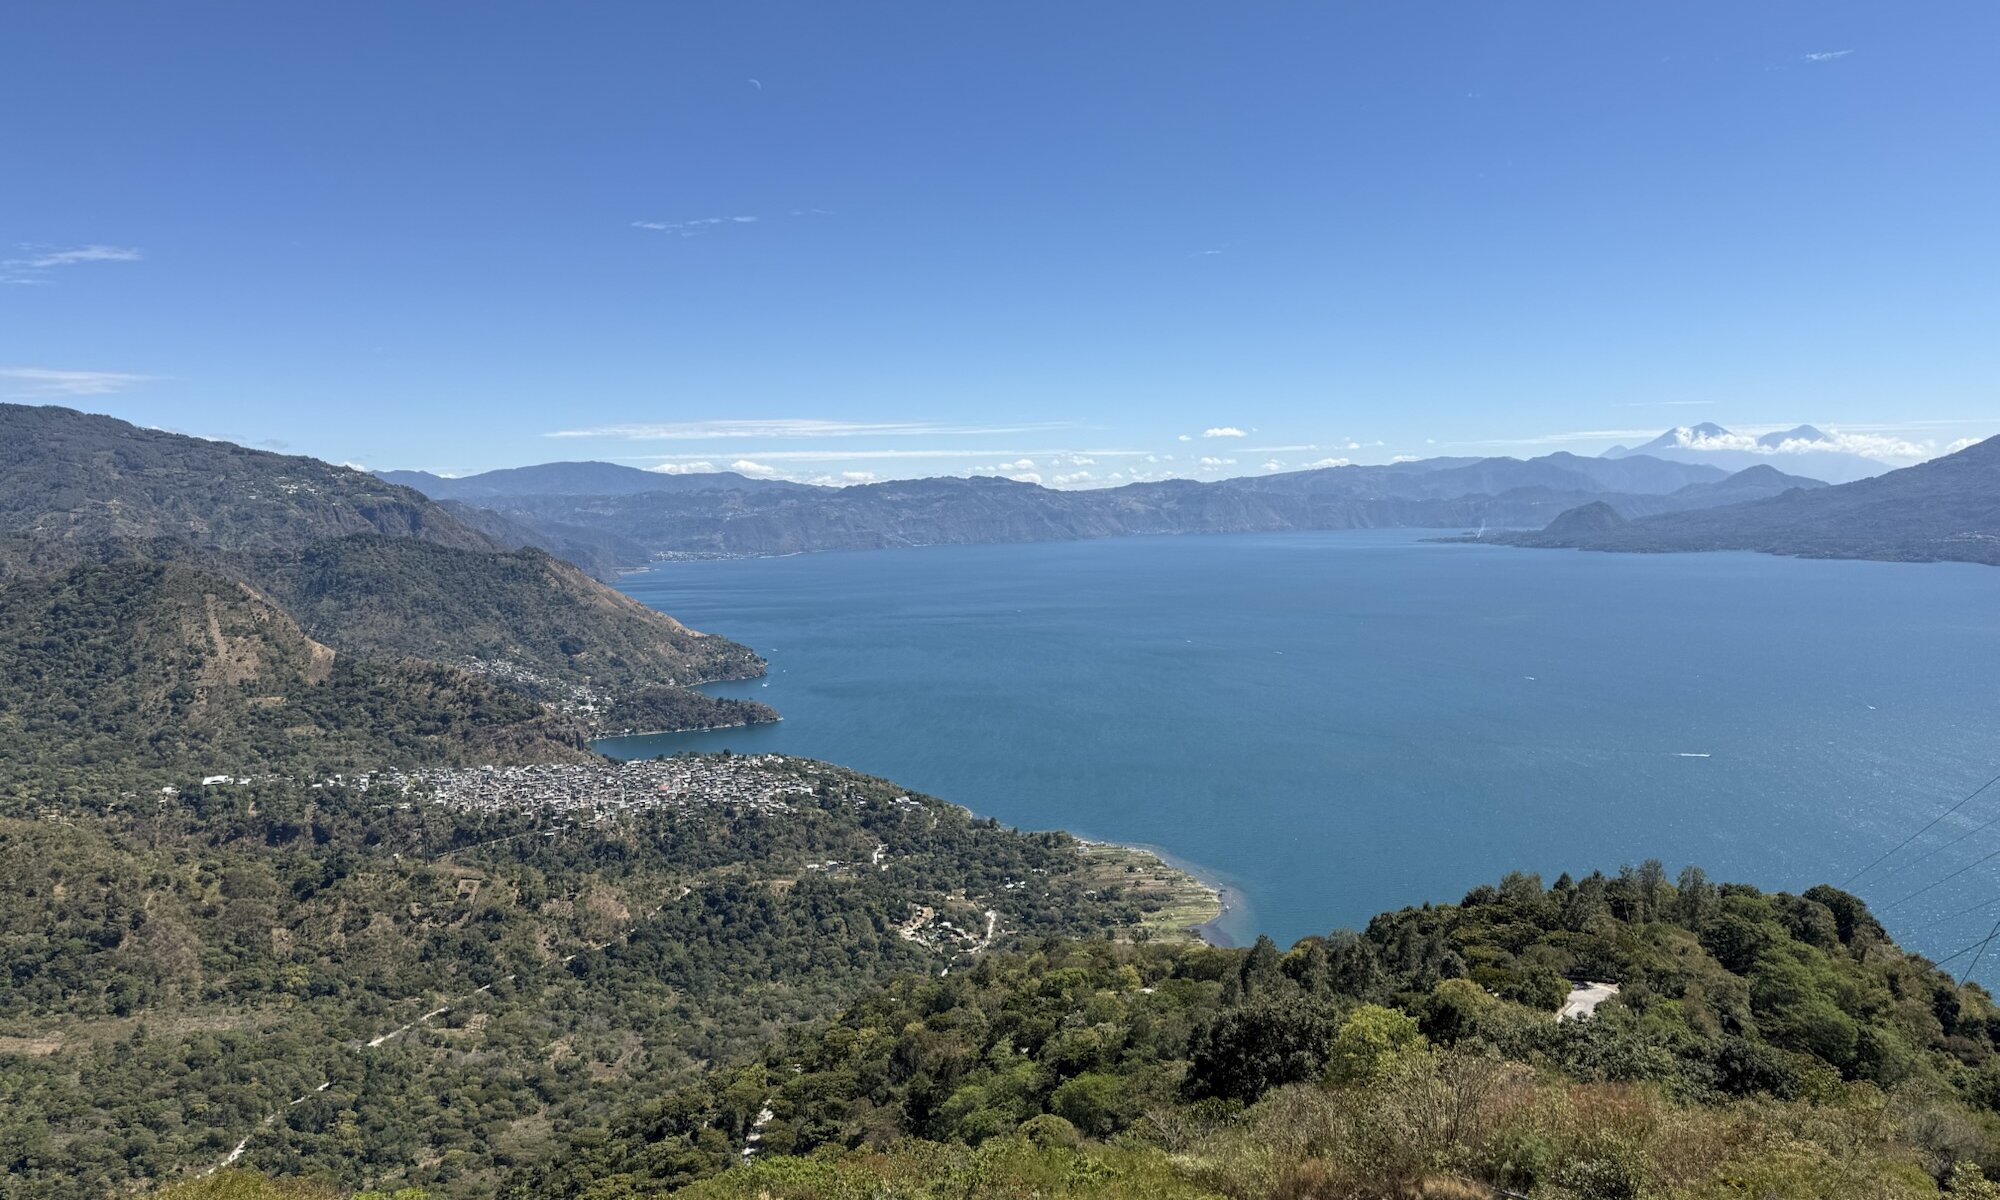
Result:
x=370 y=568
x=606 y=531
x=1943 y=510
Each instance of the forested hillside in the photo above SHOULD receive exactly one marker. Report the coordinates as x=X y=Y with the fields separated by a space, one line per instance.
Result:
x=134 y=672
x=375 y=571
x=432 y=977
x=1759 y=1045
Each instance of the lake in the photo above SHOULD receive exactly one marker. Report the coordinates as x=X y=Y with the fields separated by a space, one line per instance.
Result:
x=1333 y=724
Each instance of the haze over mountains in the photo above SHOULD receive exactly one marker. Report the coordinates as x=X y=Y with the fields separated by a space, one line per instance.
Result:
x=646 y=515
x=1801 y=450
x=1947 y=509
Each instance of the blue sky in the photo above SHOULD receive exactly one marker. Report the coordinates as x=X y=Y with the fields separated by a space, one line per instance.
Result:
x=846 y=241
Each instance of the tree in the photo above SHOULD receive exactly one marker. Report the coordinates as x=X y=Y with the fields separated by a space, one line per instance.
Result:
x=1366 y=1041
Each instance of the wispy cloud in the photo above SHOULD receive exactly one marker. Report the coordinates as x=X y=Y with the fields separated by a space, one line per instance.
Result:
x=831 y=455
x=1217 y=462
x=1329 y=462
x=747 y=467
x=1223 y=431
x=36 y=262
x=695 y=431
x=694 y=228
x=1559 y=439
x=697 y=467
x=42 y=381
x=1827 y=55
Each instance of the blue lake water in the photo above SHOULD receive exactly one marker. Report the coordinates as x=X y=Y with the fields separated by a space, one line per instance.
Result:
x=1336 y=724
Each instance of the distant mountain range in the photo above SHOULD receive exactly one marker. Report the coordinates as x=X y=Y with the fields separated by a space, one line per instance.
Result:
x=1947 y=509
x=305 y=558
x=578 y=479
x=734 y=516
x=1801 y=450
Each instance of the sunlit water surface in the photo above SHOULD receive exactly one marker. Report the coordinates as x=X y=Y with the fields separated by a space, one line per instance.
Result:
x=1336 y=724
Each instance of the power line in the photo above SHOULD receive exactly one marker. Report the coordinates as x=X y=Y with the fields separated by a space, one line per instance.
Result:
x=1989 y=902
x=1935 y=850
x=1921 y=832
x=1947 y=879
x=1990 y=935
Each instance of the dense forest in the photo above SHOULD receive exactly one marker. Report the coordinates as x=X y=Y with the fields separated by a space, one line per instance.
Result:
x=1760 y=1045
x=128 y=674
x=656 y=708
x=435 y=978
x=1763 y=1045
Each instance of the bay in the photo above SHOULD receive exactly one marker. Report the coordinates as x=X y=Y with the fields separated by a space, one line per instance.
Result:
x=1335 y=724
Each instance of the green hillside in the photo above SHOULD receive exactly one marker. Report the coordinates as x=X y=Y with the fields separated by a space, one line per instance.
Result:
x=141 y=671
x=452 y=973
x=370 y=569
x=1759 y=1045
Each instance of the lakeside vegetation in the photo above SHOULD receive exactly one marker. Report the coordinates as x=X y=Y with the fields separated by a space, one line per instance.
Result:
x=181 y=969
x=1763 y=1045
x=660 y=709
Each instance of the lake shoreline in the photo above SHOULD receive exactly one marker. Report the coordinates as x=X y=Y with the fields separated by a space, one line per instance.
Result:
x=1209 y=932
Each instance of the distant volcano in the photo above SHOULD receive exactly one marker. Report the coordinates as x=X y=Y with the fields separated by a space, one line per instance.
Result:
x=1801 y=450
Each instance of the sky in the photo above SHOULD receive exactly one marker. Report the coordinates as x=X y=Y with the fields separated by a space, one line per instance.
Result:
x=1078 y=244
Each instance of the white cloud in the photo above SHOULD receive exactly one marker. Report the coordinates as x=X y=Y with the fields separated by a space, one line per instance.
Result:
x=38 y=261
x=1184 y=438
x=1218 y=462
x=1962 y=443
x=745 y=467
x=1329 y=462
x=1558 y=439
x=688 y=468
x=1026 y=477
x=1074 y=477
x=1223 y=431
x=1403 y=458
x=1828 y=55
x=84 y=254
x=859 y=476
x=694 y=228
x=831 y=455
x=1273 y=465
x=1868 y=445
x=1024 y=464
x=41 y=381
x=782 y=427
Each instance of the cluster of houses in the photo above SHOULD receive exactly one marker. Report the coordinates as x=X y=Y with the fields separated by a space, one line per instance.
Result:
x=595 y=791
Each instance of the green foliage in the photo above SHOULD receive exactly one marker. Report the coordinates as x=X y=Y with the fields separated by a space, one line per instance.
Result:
x=1380 y=1065
x=180 y=972
x=656 y=708
x=130 y=672
x=1369 y=1041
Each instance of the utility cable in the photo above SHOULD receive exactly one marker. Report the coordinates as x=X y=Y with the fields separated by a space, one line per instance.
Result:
x=1921 y=832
